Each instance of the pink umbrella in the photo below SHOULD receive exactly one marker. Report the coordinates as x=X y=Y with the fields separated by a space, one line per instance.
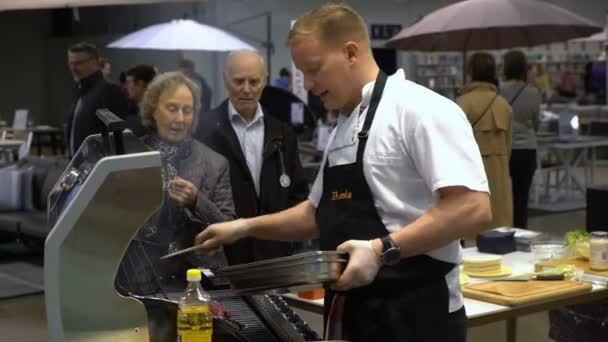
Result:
x=492 y=24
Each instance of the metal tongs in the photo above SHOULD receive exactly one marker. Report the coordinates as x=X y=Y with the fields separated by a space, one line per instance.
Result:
x=181 y=251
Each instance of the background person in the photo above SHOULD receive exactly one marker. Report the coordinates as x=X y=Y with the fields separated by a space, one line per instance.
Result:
x=525 y=100
x=265 y=169
x=490 y=116
x=92 y=92
x=196 y=186
x=402 y=180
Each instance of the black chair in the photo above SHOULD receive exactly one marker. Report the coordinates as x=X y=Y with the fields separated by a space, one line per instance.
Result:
x=596 y=215
x=30 y=226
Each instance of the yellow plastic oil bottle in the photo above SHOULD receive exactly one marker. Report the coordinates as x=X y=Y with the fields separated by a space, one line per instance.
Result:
x=194 y=317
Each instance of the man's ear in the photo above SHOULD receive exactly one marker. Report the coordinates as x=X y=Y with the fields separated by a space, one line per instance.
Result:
x=264 y=80
x=351 y=51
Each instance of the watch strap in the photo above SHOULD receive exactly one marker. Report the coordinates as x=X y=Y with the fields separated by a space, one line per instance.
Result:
x=387 y=243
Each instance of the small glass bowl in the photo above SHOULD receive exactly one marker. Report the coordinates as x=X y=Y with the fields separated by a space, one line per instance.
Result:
x=549 y=250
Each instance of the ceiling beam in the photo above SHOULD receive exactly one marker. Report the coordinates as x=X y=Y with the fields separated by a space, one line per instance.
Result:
x=8 y=5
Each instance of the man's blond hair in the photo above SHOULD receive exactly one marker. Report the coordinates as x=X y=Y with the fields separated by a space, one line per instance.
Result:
x=333 y=23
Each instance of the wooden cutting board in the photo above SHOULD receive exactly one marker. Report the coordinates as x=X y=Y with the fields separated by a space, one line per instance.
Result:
x=512 y=293
x=579 y=262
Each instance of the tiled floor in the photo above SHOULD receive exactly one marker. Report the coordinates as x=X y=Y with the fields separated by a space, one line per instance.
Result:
x=23 y=319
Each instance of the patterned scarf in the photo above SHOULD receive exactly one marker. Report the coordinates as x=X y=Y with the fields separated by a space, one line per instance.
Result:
x=170 y=215
x=171 y=155
x=141 y=269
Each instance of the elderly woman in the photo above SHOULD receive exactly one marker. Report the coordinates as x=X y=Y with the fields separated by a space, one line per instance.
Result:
x=196 y=187
x=490 y=116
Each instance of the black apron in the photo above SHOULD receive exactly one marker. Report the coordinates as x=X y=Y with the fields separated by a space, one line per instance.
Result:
x=406 y=302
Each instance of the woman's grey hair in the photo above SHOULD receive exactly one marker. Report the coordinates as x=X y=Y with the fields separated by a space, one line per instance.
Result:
x=168 y=81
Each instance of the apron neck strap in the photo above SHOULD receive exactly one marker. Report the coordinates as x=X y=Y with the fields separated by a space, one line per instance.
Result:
x=371 y=112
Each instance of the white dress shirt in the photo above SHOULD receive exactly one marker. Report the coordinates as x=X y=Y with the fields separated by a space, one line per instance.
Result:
x=251 y=138
x=76 y=113
x=418 y=143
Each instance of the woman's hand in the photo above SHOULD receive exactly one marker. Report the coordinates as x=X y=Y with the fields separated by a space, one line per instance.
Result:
x=183 y=192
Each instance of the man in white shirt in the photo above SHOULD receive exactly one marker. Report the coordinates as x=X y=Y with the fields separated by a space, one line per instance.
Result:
x=402 y=181
x=265 y=171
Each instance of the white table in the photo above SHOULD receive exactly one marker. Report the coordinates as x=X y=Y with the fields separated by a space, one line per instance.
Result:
x=11 y=146
x=10 y=143
x=570 y=153
x=480 y=313
x=54 y=134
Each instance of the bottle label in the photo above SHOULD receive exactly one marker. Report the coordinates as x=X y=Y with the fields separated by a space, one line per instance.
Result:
x=599 y=259
x=194 y=323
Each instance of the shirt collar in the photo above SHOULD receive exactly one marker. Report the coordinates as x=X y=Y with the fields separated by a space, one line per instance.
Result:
x=234 y=115
x=367 y=90
x=366 y=94
x=349 y=126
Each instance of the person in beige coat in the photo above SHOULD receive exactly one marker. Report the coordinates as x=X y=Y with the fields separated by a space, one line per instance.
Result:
x=490 y=116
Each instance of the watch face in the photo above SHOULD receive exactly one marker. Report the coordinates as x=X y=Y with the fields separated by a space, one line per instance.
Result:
x=392 y=256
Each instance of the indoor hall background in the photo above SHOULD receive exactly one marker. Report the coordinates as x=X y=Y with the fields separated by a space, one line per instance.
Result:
x=33 y=72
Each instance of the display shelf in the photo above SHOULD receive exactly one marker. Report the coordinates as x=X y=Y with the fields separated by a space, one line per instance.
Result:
x=441 y=72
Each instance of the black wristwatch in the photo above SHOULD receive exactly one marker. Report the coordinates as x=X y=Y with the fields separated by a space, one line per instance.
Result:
x=391 y=253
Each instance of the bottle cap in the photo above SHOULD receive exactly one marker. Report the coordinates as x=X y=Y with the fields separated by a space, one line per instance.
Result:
x=193 y=274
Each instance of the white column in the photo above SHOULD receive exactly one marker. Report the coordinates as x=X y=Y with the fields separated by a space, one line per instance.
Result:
x=214 y=14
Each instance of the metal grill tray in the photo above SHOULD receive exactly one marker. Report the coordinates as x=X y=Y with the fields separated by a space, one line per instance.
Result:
x=309 y=268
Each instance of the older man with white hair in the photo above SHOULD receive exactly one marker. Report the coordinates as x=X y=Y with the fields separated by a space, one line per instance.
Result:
x=265 y=170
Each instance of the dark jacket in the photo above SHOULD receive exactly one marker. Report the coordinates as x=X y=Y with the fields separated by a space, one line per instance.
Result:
x=206 y=92
x=173 y=227
x=216 y=131
x=133 y=120
x=96 y=93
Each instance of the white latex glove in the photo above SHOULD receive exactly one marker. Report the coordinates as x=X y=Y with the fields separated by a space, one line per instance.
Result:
x=219 y=234
x=363 y=265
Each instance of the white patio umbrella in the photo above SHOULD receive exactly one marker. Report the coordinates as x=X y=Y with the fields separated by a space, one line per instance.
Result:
x=181 y=35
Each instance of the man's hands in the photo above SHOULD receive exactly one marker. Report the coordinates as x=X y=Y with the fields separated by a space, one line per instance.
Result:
x=219 y=234
x=363 y=265
x=183 y=192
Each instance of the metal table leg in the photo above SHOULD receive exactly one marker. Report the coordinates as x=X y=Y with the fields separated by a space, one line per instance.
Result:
x=512 y=330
